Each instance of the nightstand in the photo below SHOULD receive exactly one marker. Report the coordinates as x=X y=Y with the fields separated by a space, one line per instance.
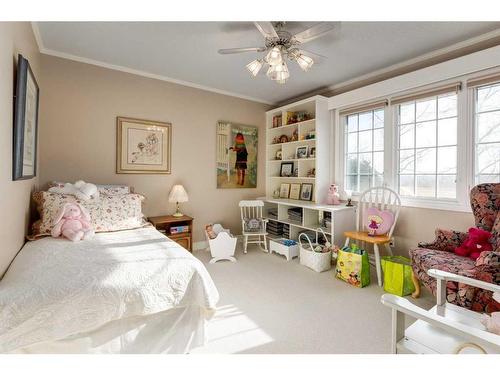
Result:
x=165 y=223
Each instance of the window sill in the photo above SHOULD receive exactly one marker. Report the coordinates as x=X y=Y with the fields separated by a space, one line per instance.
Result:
x=444 y=205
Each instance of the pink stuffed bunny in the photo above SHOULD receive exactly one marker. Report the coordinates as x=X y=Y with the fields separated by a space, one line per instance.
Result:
x=73 y=222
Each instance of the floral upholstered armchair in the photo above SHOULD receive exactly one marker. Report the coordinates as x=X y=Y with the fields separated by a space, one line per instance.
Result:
x=485 y=202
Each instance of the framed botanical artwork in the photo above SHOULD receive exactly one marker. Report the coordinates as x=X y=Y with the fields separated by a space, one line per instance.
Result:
x=294 y=191
x=286 y=169
x=306 y=192
x=284 y=190
x=25 y=122
x=143 y=146
x=301 y=152
x=236 y=156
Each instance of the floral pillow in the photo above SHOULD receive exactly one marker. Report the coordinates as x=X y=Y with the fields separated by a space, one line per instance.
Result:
x=103 y=189
x=108 y=213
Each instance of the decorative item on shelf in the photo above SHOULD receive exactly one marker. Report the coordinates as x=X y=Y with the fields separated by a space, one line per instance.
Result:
x=25 y=122
x=303 y=116
x=295 y=136
x=302 y=137
x=306 y=191
x=311 y=135
x=286 y=169
x=296 y=172
x=290 y=118
x=277 y=121
x=143 y=146
x=311 y=172
x=276 y=193
x=278 y=155
x=178 y=195
x=349 y=198
x=294 y=191
x=333 y=195
x=301 y=152
x=312 y=152
x=283 y=138
x=284 y=190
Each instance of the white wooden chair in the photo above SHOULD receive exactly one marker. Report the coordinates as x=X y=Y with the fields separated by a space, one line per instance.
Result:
x=381 y=198
x=252 y=209
x=445 y=328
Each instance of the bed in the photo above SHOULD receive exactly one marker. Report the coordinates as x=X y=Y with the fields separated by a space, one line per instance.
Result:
x=131 y=291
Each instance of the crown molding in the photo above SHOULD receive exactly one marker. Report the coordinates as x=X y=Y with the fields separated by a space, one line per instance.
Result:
x=124 y=69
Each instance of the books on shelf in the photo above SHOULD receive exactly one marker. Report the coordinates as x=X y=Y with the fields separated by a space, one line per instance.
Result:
x=275 y=228
x=272 y=213
x=179 y=229
x=277 y=121
x=295 y=214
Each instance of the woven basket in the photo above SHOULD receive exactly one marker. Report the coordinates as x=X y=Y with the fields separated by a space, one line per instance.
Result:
x=318 y=262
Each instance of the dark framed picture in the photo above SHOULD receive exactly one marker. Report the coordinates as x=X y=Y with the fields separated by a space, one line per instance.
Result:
x=286 y=169
x=306 y=191
x=301 y=152
x=25 y=122
x=312 y=152
x=284 y=190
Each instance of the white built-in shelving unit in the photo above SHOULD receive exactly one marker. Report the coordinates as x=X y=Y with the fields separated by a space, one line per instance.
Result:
x=314 y=211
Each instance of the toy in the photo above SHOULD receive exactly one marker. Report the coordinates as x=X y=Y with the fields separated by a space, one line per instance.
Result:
x=73 y=222
x=492 y=323
x=333 y=195
x=80 y=189
x=474 y=244
x=377 y=221
x=295 y=136
x=372 y=228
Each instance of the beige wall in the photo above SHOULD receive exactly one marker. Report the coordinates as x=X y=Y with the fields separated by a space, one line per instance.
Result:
x=418 y=224
x=78 y=135
x=15 y=38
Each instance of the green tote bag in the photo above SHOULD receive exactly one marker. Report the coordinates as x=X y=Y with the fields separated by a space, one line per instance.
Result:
x=397 y=275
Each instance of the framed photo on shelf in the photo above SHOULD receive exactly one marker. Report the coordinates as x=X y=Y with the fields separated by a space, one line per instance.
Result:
x=306 y=191
x=294 y=191
x=278 y=155
x=286 y=169
x=312 y=152
x=301 y=152
x=284 y=191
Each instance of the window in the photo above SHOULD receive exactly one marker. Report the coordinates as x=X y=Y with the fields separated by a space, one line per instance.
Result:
x=487 y=133
x=427 y=147
x=364 y=150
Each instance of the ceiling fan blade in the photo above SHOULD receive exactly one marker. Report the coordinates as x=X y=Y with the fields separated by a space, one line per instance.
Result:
x=315 y=32
x=266 y=29
x=228 y=51
x=312 y=54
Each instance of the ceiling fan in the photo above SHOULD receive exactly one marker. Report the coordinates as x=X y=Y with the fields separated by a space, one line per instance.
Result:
x=280 y=46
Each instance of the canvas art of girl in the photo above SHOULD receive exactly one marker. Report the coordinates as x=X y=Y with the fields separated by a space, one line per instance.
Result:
x=241 y=157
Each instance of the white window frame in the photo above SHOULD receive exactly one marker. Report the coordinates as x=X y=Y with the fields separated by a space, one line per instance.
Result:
x=465 y=153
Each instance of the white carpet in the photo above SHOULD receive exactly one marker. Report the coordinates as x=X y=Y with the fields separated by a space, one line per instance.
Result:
x=269 y=305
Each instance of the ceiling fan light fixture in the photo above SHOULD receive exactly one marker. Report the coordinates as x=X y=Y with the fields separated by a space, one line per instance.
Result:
x=255 y=66
x=274 y=56
x=279 y=73
x=305 y=62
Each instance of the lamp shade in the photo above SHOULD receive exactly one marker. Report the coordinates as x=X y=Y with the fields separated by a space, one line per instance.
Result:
x=178 y=194
x=254 y=67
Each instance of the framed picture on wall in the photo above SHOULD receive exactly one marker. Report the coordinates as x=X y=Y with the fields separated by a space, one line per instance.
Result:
x=25 y=122
x=143 y=146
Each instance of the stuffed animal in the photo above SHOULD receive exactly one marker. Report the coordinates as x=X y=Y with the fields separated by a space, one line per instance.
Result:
x=80 y=189
x=492 y=323
x=333 y=195
x=73 y=222
x=474 y=244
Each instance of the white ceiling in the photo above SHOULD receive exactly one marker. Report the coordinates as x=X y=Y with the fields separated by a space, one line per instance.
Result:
x=187 y=51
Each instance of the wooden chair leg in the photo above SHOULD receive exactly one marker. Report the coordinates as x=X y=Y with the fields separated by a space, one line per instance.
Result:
x=377 y=264
x=416 y=283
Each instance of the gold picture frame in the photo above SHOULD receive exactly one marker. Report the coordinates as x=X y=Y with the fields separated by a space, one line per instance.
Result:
x=143 y=146
x=295 y=191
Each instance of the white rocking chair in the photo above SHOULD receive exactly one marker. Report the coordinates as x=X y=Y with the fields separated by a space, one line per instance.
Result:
x=253 y=210
x=444 y=329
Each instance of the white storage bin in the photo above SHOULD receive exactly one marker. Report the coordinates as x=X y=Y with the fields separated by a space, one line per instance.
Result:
x=277 y=246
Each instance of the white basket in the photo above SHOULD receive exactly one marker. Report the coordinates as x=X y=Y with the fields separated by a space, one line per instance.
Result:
x=318 y=262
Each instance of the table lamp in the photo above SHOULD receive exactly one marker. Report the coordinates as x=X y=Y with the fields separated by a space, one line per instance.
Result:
x=178 y=195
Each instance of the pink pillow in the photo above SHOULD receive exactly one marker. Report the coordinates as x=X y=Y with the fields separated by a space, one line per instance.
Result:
x=381 y=221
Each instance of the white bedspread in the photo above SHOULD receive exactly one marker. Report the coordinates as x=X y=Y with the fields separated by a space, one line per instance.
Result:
x=56 y=288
